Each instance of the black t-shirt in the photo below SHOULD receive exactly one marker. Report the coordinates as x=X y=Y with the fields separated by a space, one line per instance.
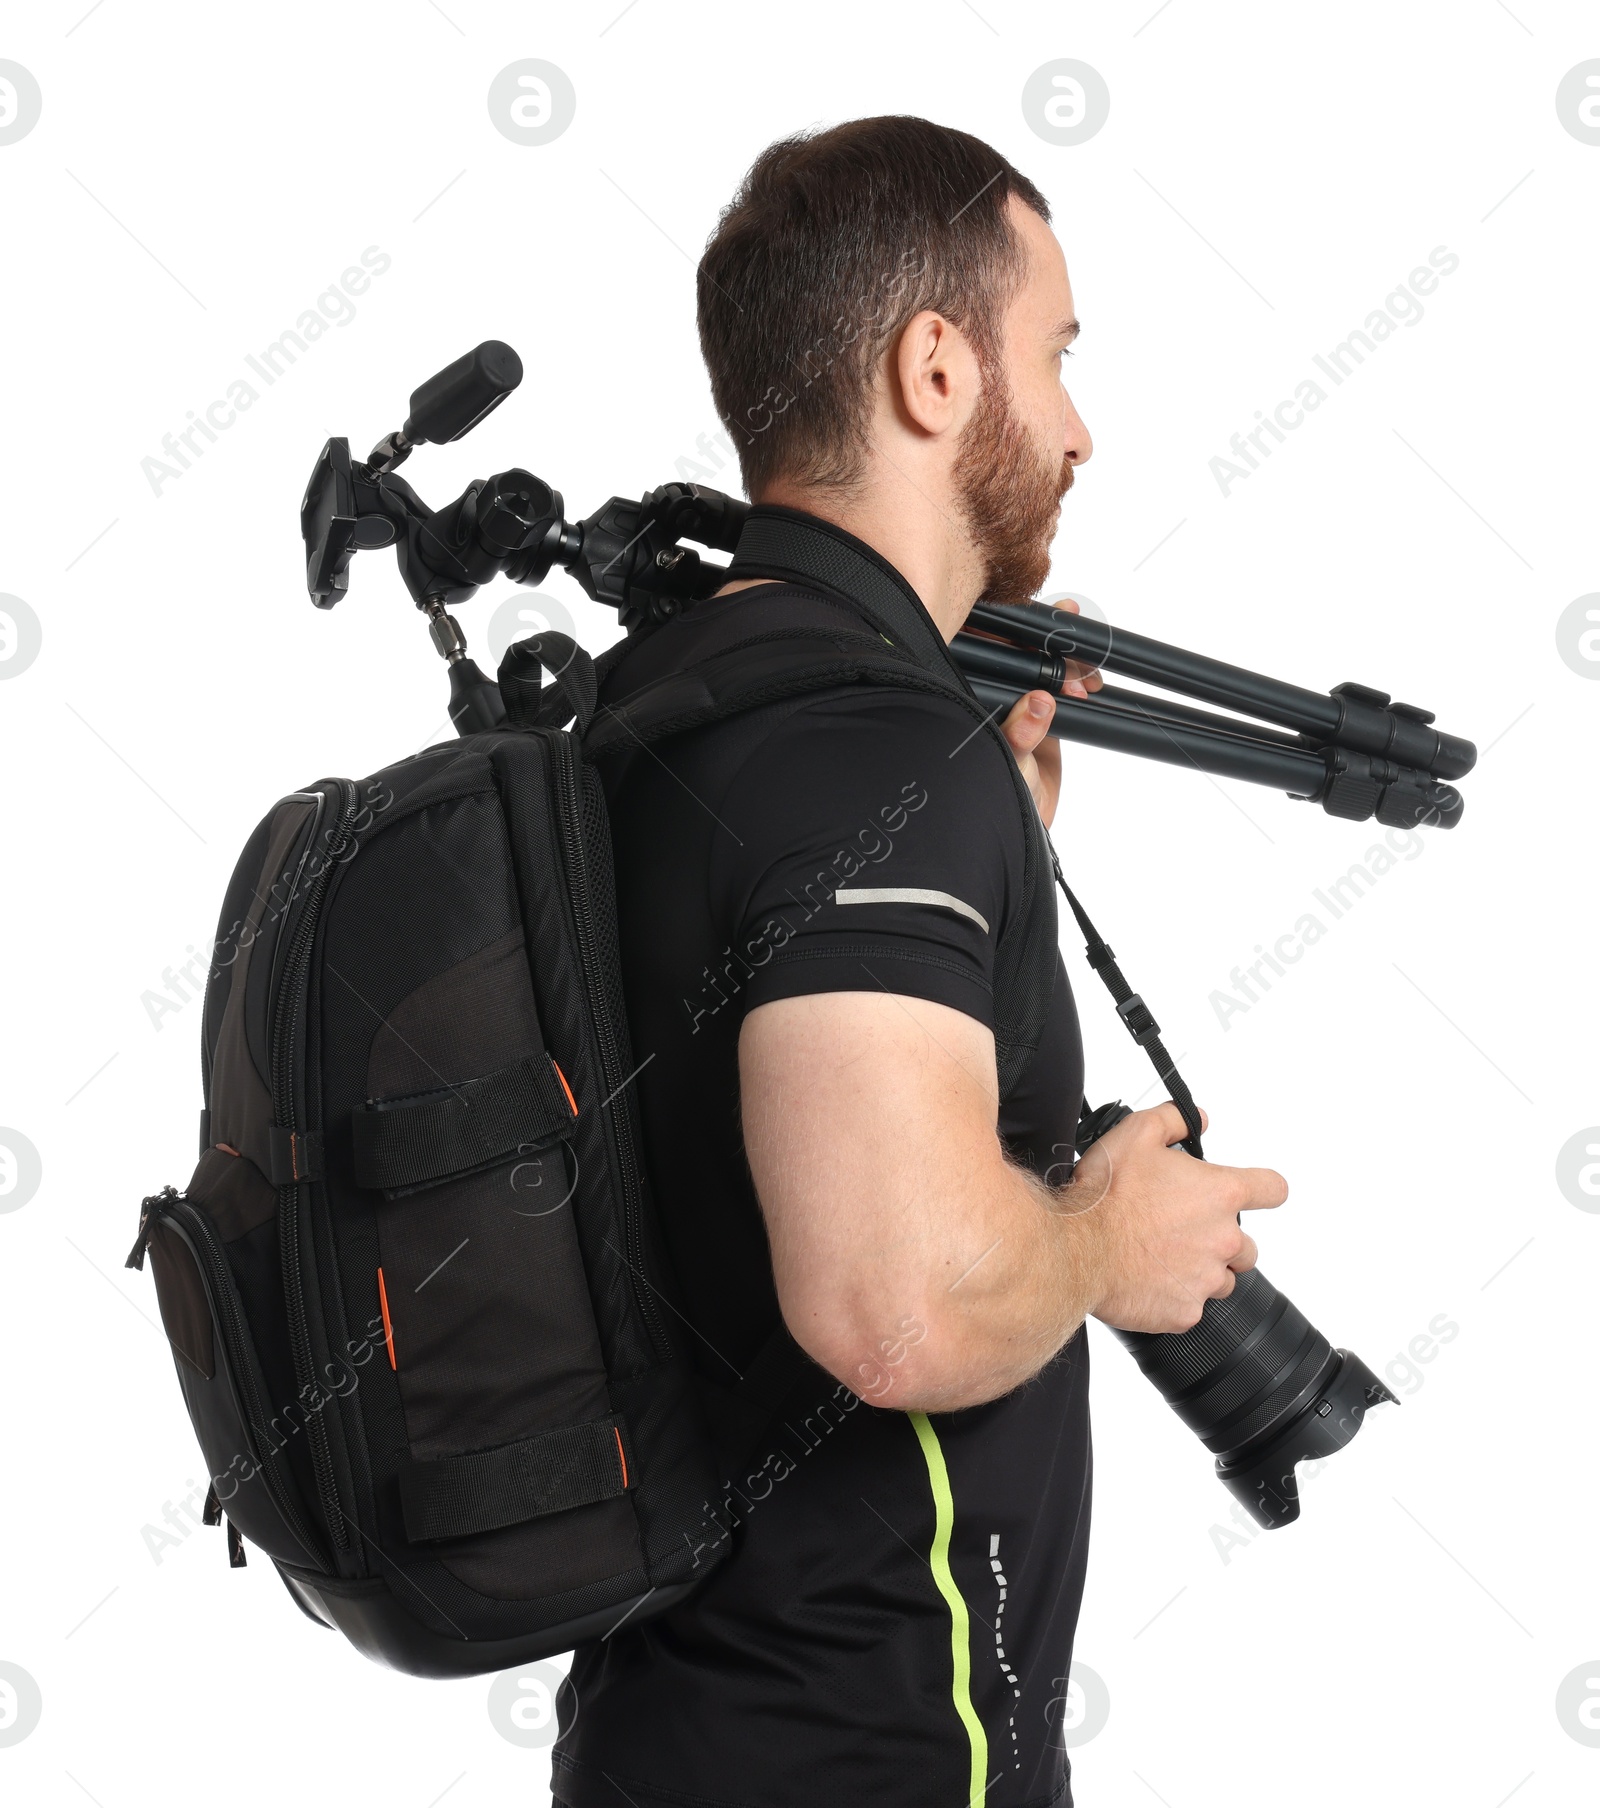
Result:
x=894 y=1625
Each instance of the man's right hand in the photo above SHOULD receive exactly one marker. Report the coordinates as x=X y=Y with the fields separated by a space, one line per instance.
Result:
x=1163 y=1225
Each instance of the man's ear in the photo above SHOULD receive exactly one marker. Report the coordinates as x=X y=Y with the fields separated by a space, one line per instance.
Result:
x=934 y=374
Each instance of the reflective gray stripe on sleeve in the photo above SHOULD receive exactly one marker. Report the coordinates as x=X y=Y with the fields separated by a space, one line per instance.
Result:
x=907 y=894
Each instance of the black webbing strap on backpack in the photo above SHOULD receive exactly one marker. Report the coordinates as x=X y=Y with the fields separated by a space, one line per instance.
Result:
x=571 y=695
x=398 y=1144
x=1135 y=1013
x=572 y=1466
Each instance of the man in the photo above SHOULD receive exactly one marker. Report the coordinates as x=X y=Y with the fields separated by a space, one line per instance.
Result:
x=884 y=312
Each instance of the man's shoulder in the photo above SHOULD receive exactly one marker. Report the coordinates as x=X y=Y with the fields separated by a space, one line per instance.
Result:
x=900 y=703
x=825 y=746
x=764 y=631
x=713 y=627
x=841 y=739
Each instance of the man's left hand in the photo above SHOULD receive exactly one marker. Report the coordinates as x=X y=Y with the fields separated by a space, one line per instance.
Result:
x=1027 y=728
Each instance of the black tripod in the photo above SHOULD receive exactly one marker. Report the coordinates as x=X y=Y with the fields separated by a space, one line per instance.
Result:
x=1350 y=749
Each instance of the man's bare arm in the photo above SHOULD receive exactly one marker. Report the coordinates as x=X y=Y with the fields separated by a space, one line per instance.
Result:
x=913 y=1260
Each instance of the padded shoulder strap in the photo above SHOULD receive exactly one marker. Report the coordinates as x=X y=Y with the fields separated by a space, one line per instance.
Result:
x=746 y=676
x=803 y=549
x=726 y=656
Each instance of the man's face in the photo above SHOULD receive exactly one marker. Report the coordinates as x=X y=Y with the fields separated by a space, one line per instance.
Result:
x=1024 y=439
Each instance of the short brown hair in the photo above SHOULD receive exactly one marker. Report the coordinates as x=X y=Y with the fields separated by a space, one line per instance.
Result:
x=834 y=241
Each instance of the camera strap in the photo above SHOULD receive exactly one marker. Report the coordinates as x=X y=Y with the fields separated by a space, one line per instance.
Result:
x=1140 y=1022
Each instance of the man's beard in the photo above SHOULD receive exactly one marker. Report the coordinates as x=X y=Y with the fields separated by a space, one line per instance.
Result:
x=1010 y=496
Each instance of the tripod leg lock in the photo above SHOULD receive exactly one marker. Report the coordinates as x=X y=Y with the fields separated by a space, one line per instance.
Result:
x=1360 y=787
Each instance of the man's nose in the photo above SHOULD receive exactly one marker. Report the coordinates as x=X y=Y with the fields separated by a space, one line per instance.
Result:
x=1079 y=444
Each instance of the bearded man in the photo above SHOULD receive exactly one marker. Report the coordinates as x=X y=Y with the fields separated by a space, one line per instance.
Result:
x=820 y=905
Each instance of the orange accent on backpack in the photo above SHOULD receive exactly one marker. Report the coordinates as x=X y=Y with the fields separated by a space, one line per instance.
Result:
x=564 y=1086
x=388 y=1329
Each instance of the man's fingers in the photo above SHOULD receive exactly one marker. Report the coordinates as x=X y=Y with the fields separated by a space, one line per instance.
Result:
x=1029 y=722
x=1246 y=1258
x=1263 y=1187
x=1173 y=1128
x=1225 y=1285
x=1170 y=1121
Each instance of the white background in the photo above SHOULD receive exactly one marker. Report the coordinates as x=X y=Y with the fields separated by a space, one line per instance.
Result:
x=1267 y=176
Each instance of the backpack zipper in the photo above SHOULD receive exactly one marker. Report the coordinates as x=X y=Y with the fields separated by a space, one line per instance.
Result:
x=196 y=1232
x=602 y=1004
x=286 y=1076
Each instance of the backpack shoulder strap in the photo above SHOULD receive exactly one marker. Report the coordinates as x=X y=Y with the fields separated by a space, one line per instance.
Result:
x=803 y=549
x=719 y=661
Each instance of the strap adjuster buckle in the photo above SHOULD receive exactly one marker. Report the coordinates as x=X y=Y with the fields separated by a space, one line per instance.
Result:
x=1135 y=1013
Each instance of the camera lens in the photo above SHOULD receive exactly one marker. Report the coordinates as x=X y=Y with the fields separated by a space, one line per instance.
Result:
x=1262 y=1389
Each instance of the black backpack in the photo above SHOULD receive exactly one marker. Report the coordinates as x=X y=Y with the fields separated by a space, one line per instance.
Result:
x=412 y=1288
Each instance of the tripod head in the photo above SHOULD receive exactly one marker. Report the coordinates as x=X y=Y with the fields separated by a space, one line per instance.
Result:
x=1353 y=750
x=626 y=554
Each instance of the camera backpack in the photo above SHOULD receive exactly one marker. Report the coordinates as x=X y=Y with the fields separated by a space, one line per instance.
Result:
x=416 y=1301
x=411 y=1288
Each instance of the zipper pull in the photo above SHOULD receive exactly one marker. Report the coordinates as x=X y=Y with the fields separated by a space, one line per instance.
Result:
x=151 y=1209
x=211 y=1512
